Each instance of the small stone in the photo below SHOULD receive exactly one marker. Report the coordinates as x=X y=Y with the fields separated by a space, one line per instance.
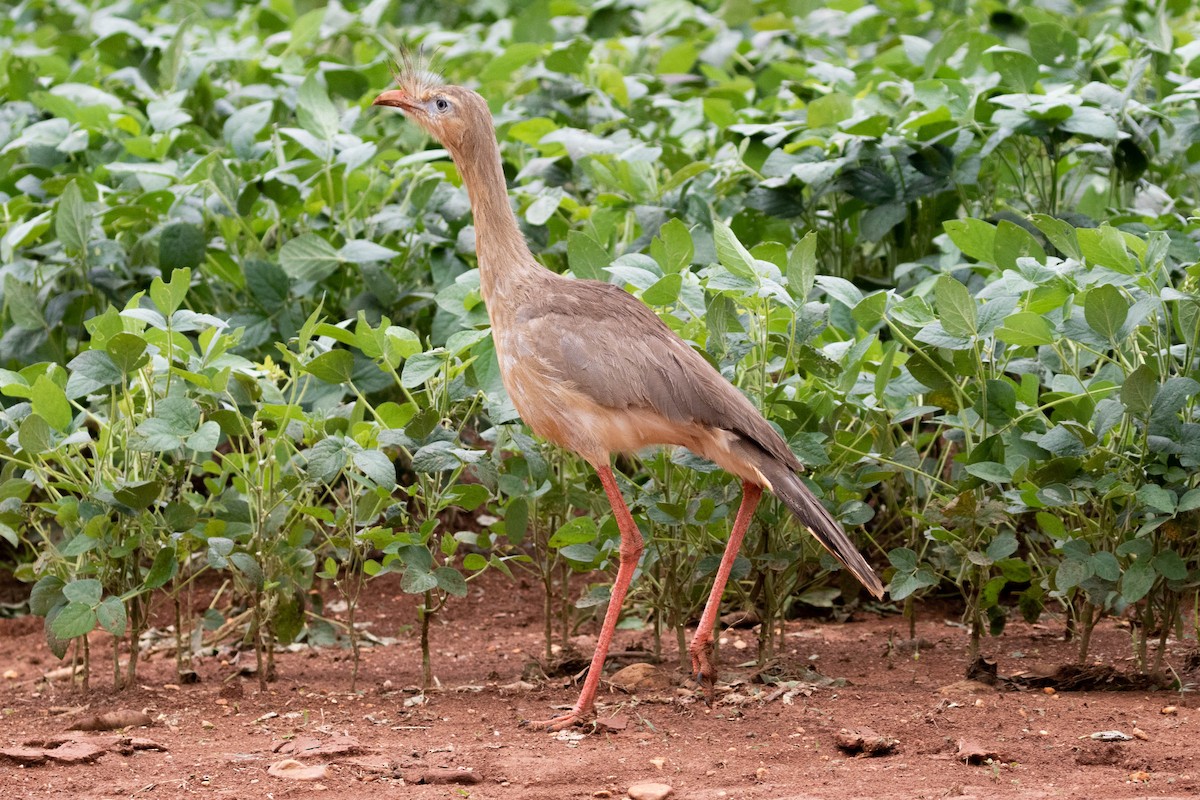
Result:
x=444 y=775
x=1169 y=710
x=658 y=762
x=760 y=774
x=22 y=755
x=602 y=794
x=1048 y=690
x=292 y=769
x=11 y=674
x=613 y=724
x=1111 y=736
x=1138 y=733
x=974 y=753
x=649 y=791
x=1141 y=776
x=208 y=726
x=864 y=741
x=75 y=753
x=641 y=678
x=113 y=720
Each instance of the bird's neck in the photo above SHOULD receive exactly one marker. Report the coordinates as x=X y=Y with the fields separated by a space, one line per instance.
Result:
x=503 y=254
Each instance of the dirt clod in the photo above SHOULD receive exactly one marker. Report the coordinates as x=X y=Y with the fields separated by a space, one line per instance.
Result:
x=292 y=769
x=22 y=755
x=75 y=753
x=975 y=753
x=113 y=720
x=865 y=742
x=649 y=791
x=641 y=678
x=444 y=775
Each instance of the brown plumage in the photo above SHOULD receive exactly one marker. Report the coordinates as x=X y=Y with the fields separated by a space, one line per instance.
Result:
x=592 y=369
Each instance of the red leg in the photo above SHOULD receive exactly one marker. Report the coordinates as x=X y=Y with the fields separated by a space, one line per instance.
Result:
x=701 y=648
x=631 y=551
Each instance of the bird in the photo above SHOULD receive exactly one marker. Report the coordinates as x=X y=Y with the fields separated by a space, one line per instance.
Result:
x=592 y=369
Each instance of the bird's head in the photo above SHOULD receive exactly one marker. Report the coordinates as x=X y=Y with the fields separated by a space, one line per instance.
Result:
x=451 y=114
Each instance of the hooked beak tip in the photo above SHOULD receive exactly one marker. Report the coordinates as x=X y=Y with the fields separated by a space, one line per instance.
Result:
x=396 y=98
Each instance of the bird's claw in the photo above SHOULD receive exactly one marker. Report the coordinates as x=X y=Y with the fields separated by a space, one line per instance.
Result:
x=571 y=719
x=704 y=671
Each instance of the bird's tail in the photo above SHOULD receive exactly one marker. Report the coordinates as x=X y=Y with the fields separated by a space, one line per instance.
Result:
x=788 y=487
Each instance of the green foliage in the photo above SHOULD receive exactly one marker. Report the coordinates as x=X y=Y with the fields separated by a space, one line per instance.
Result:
x=954 y=260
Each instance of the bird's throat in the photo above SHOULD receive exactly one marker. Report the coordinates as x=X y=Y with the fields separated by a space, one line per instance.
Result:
x=503 y=254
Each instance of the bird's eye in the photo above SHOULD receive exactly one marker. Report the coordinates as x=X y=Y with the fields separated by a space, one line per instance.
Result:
x=441 y=104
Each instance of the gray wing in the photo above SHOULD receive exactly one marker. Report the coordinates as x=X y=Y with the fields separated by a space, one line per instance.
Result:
x=613 y=347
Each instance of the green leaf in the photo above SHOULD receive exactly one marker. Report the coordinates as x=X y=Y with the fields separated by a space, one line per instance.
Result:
x=903 y=559
x=22 y=303
x=34 y=435
x=420 y=368
x=451 y=581
x=1015 y=569
x=168 y=297
x=248 y=566
x=1071 y=573
x=1018 y=71
x=154 y=435
x=828 y=111
x=45 y=595
x=582 y=553
x=990 y=471
x=1106 y=566
x=1137 y=393
x=974 y=237
x=802 y=267
x=377 y=467
x=1025 y=329
x=467 y=496
x=50 y=402
x=73 y=220
x=1061 y=235
x=308 y=258
x=1137 y=581
x=334 y=366
x=1157 y=498
x=731 y=253
x=586 y=257
x=315 y=112
x=416 y=581
x=1170 y=565
x=111 y=616
x=576 y=530
x=1105 y=247
x=1014 y=242
x=955 y=306
x=76 y=619
x=326 y=459
x=664 y=291
x=87 y=590
x=1189 y=502
x=180 y=246
x=164 y=568
x=474 y=562
x=1106 y=309
x=138 y=495
x=90 y=371
x=127 y=351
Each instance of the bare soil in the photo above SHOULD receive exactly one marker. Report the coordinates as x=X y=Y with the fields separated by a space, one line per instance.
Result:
x=221 y=735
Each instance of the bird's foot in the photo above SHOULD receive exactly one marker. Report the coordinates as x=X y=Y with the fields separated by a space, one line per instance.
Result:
x=573 y=718
x=703 y=669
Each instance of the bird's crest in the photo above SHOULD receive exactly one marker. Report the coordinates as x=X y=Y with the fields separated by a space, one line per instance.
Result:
x=414 y=72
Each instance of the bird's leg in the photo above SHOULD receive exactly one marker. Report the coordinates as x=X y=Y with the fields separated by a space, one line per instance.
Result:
x=630 y=552
x=701 y=648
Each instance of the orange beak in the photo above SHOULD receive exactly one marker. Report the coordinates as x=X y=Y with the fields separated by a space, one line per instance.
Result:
x=396 y=98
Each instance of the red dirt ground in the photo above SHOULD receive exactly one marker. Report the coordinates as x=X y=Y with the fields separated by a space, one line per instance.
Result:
x=222 y=735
